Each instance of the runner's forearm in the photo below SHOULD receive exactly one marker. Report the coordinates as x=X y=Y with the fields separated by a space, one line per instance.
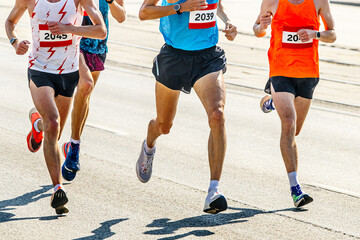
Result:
x=221 y=13
x=258 y=31
x=154 y=12
x=93 y=31
x=328 y=36
x=117 y=10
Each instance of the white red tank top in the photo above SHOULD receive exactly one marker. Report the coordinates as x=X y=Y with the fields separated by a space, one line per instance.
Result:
x=57 y=54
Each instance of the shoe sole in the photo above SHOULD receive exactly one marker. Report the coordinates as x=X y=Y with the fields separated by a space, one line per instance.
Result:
x=217 y=206
x=63 y=149
x=61 y=210
x=306 y=200
x=33 y=110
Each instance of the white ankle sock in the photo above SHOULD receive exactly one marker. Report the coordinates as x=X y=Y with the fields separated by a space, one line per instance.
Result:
x=293 y=179
x=149 y=150
x=57 y=186
x=214 y=184
x=74 y=141
x=36 y=125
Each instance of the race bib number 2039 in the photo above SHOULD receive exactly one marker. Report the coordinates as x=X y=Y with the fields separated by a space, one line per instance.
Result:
x=202 y=19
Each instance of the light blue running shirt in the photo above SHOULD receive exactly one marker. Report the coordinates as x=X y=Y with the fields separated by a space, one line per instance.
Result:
x=191 y=31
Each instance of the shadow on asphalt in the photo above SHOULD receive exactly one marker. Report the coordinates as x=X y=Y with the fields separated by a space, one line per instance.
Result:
x=166 y=226
x=104 y=231
x=24 y=200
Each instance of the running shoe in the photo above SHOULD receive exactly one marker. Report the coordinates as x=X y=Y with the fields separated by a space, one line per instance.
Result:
x=58 y=201
x=300 y=198
x=34 y=138
x=144 y=165
x=266 y=104
x=215 y=202
x=72 y=164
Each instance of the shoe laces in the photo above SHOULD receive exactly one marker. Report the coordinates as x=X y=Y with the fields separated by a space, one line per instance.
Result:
x=74 y=149
x=146 y=167
x=296 y=190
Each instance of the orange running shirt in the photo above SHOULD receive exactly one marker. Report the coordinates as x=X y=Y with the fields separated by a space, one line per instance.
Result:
x=288 y=56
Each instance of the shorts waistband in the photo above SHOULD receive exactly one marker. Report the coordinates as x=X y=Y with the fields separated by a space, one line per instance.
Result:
x=186 y=52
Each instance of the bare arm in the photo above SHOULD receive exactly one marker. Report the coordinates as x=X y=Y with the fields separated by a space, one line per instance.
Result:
x=117 y=10
x=97 y=30
x=149 y=10
x=329 y=35
x=230 y=30
x=21 y=47
x=264 y=18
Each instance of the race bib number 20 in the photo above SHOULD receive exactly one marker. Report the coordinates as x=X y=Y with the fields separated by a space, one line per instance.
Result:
x=203 y=18
x=49 y=40
x=290 y=39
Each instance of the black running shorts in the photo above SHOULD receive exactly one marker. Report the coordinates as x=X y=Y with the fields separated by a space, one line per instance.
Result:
x=179 y=69
x=63 y=84
x=300 y=87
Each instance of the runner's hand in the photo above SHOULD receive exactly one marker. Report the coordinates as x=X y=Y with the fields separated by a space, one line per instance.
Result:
x=193 y=5
x=265 y=20
x=57 y=28
x=22 y=47
x=230 y=31
x=306 y=34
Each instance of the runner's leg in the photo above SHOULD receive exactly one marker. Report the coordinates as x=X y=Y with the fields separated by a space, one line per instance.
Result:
x=284 y=104
x=85 y=87
x=302 y=106
x=44 y=102
x=166 y=103
x=211 y=91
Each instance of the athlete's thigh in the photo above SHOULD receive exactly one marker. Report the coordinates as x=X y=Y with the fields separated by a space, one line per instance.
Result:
x=302 y=106
x=284 y=104
x=63 y=105
x=166 y=103
x=95 y=75
x=211 y=91
x=43 y=98
x=84 y=71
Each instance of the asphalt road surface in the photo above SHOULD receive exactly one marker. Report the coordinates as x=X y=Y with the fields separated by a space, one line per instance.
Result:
x=106 y=200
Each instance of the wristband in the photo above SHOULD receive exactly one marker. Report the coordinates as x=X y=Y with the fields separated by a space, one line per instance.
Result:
x=318 y=35
x=109 y=1
x=13 y=40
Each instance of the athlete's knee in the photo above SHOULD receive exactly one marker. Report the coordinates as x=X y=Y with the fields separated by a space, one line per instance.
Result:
x=164 y=128
x=217 y=118
x=52 y=125
x=86 y=85
x=288 y=125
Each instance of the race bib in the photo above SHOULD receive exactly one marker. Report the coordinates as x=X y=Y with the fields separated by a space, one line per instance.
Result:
x=49 y=40
x=202 y=19
x=290 y=39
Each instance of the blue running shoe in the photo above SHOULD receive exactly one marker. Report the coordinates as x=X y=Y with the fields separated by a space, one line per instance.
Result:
x=300 y=198
x=72 y=163
x=266 y=104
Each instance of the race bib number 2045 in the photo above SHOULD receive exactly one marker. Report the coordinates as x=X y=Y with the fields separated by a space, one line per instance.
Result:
x=290 y=39
x=203 y=18
x=49 y=40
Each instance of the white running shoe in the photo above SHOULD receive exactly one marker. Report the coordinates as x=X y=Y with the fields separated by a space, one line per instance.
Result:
x=144 y=165
x=215 y=202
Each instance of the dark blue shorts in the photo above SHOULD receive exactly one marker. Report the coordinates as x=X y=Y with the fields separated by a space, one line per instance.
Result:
x=300 y=87
x=63 y=84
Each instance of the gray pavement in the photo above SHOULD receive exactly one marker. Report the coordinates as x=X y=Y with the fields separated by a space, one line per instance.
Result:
x=108 y=202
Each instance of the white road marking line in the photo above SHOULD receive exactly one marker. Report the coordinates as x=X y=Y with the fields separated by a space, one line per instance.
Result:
x=117 y=132
x=333 y=189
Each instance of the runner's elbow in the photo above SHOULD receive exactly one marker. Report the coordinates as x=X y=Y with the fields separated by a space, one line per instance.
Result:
x=144 y=14
x=103 y=33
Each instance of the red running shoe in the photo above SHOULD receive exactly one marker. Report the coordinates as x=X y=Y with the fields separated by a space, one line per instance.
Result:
x=34 y=138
